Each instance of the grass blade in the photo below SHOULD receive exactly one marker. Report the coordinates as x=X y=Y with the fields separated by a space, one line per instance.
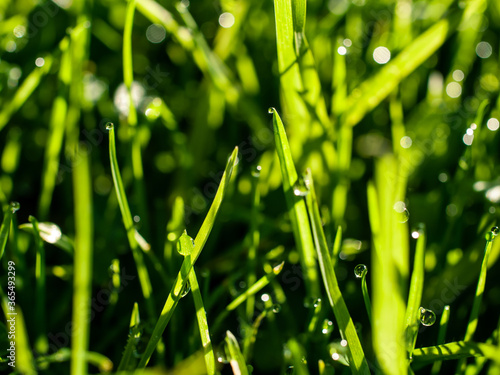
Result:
x=202 y=323
x=129 y=224
x=24 y=92
x=41 y=342
x=296 y=208
x=5 y=229
x=299 y=367
x=415 y=296
x=443 y=327
x=472 y=325
x=189 y=260
x=372 y=91
x=235 y=356
x=82 y=284
x=455 y=350
x=128 y=362
x=56 y=133
x=359 y=365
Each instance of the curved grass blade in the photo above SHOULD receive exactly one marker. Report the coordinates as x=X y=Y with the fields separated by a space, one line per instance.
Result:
x=234 y=355
x=129 y=224
x=189 y=260
x=297 y=209
x=357 y=359
x=415 y=297
x=82 y=284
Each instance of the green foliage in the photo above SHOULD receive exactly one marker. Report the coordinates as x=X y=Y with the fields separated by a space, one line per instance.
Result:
x=116 y=121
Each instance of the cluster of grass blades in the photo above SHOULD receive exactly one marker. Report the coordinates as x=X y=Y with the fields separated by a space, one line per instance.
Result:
x=351 y=233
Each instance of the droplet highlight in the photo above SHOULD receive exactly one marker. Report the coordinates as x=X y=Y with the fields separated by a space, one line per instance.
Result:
x=256 y=171
x=109 y=126
x=327 y=327
x=186 y=289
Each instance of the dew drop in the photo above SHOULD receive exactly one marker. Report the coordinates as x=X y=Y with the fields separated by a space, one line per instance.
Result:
x=256 y=171
x=15 y=206
x=427 y=317
x=360 y=270
x=265 y=297
x=402 y=213
x=221 y=356
x=317 y=302
x=495 y=230
x=270 y=110
x=300 y=189
x=327 y=327
x=489 y=236
x=185 y=245
x=186 y=289
x=276 y=308
x=343 y=343
x=109 y=126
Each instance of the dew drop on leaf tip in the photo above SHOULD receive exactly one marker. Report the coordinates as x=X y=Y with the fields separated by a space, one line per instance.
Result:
x=14 y=206
x=360 y=270
x=109 y=126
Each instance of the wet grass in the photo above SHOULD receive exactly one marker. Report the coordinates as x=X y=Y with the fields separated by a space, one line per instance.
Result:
x=350 y=228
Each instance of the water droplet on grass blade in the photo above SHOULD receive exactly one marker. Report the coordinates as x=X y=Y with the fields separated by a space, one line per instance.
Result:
x=276 y=308
x=495 y=230
x=317 y=302
x=270 y=110
x=360 y=270
x=427 y=317
x=185 y=245
x=15 y=206
x=109 y=126
x=402 y=213
x=186 y=289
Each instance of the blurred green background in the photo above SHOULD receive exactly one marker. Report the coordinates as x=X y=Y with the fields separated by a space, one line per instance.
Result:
x=203 y=81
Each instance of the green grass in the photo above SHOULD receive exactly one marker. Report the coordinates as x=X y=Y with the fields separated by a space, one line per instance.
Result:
x=127 y=126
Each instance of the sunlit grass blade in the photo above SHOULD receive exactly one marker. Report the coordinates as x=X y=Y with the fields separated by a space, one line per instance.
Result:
x=476 y=305
x=389 y=266
x=202 y=323
x=128 y=361
x=82 y=283
x=472 y=324
x=41 y=342
x=297 y=209
x=416 y=287
x=455 y=350
x=234 y=355
x=185 y=247
x=375 y=89
x=174 y=230
x=22 y=94
x=56 y=133
x=189 y=260
x=357 y=359
x=129 y=224
x=443 y=327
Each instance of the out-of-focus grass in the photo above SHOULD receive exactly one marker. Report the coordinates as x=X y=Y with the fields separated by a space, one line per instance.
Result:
x=392 y=106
